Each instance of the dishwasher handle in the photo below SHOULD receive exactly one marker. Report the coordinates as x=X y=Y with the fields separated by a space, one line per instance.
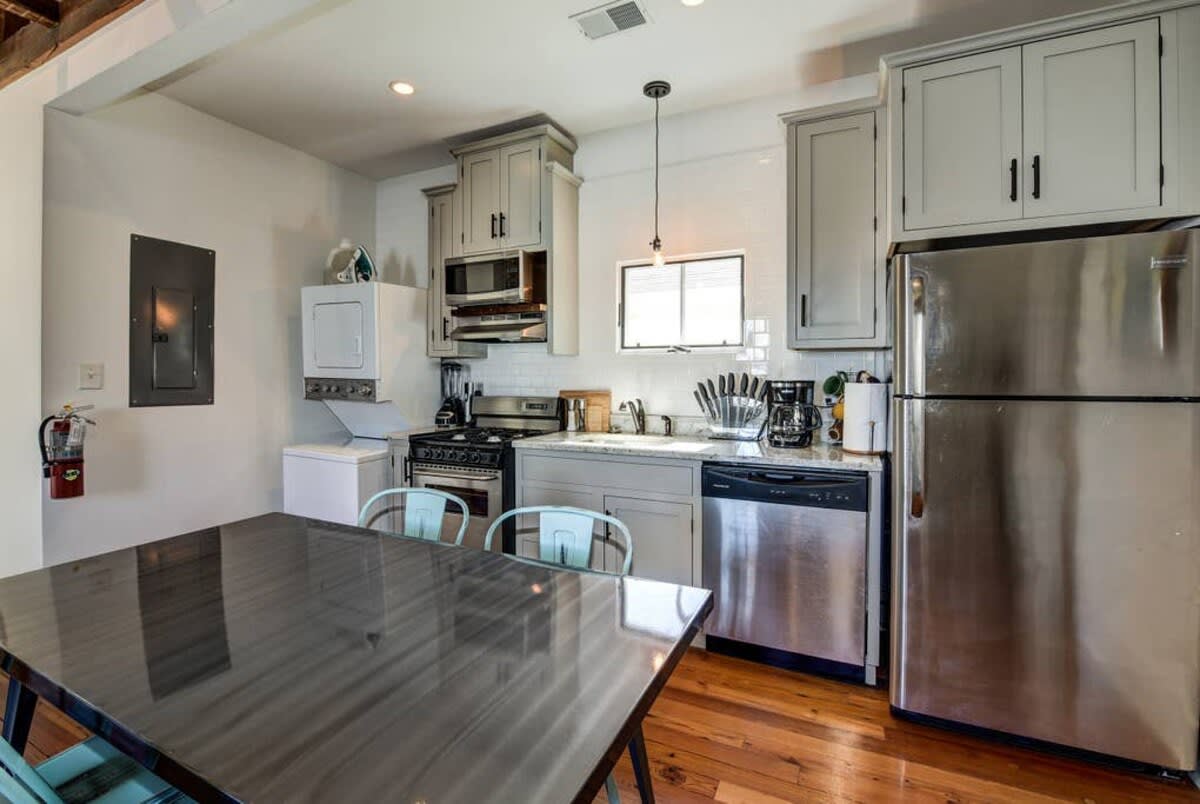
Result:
x=845 y=491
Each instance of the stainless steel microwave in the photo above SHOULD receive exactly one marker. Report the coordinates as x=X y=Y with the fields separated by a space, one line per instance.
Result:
x=496 y=279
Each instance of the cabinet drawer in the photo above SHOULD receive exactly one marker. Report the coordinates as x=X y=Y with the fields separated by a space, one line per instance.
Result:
x=654 y=478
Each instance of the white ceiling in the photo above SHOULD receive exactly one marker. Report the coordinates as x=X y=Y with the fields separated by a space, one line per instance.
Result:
x=320 y=83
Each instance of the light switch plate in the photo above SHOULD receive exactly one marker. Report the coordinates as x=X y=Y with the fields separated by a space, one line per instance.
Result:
x=91 y=376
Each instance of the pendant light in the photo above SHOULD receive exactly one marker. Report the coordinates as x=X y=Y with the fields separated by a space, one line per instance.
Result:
x=657 y=90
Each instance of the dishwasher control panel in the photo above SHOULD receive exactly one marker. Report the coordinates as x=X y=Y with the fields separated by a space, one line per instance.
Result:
x=842 y=491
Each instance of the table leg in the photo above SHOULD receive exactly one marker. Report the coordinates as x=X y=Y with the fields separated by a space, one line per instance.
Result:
x=641 y=766
x=18 y=714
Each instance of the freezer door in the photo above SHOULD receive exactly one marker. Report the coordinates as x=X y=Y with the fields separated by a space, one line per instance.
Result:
x=1047 y=571
x=1112 y=316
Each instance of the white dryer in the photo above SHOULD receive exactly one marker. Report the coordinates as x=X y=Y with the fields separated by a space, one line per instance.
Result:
x=364 y=357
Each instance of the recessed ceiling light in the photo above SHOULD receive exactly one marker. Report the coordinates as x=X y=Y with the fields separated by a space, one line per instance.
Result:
x=402 y=88
x=692 y=3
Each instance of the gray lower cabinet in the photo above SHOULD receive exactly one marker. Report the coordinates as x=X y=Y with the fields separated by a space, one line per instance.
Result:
x=537 y=494
x=662 y=532
x=836 y=267
x=659 y=501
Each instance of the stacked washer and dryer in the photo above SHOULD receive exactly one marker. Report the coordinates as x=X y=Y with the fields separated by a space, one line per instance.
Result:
x=364 y=357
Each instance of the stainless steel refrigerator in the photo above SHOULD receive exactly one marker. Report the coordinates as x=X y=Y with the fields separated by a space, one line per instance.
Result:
x=1047 y=494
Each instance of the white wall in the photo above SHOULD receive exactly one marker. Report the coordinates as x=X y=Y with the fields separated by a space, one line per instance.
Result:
x=723 y=187
x=155 y=167
x=172 y=26
x=402 y=225
x=20 y=319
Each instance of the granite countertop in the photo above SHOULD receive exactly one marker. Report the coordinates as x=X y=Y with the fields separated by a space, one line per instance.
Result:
x=818 y=456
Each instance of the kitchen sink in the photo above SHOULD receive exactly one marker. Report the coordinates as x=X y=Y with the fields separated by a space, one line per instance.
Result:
x=649 y=442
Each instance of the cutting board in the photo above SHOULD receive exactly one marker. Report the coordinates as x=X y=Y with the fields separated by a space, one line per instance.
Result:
x=599 y=408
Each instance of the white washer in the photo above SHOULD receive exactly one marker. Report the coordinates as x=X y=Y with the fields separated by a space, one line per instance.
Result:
x=332 y=481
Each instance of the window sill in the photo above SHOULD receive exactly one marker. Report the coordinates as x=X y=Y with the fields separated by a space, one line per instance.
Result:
x=696 y=351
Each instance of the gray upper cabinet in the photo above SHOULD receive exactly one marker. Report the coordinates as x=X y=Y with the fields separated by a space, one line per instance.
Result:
x=441 y=245
x=963 y=117
x=836 y=271
x=1092 y=121
x=503 y=200
x=520 y=222
x=1075 y=121
x=480 y=188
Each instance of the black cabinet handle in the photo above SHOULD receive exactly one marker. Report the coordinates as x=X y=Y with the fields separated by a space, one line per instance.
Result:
x=804 y=309
x=502 y=232
x=1012 y=178
x=1037 y=177
x=445 y=328
x=493 y=225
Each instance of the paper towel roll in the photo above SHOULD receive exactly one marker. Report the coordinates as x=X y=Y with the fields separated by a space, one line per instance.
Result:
x=867 y=407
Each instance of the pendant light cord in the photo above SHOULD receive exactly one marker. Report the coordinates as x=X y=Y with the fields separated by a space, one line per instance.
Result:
x=656 y=168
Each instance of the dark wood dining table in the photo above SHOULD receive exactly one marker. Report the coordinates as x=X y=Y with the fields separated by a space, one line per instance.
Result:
x=289 y=659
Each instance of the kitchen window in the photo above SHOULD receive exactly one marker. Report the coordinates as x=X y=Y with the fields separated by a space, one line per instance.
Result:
x=694 y=303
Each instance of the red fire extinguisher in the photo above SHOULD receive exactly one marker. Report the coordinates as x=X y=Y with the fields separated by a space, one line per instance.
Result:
x=62 y=454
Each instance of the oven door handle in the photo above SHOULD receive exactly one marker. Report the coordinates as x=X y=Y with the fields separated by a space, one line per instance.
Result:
x=477 y=475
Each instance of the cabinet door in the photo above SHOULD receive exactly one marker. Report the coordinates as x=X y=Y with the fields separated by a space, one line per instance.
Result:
x=1092 y=121
x=443 y=234
x=480 y=189
x=662 y=539
x=962 y=141
x=441 y=231
x=834 y=244
x=535 y=494
x=520 y=195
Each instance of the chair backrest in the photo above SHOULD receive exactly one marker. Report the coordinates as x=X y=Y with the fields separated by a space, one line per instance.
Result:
x=565 y=534
x=19 y=782
x=423 y=512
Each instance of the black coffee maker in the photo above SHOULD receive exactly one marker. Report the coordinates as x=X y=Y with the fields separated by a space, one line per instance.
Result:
x=792 y=417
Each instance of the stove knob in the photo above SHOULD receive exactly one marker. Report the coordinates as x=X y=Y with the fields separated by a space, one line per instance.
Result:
x=472 y=458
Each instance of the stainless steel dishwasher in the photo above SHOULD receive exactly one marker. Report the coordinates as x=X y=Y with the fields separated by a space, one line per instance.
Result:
x=785 y=554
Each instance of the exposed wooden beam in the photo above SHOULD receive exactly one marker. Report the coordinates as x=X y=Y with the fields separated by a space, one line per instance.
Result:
x=43 y=12
x=10 y=24
x=34 y=45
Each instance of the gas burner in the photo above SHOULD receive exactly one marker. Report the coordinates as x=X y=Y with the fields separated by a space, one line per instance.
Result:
x=494 y=439
x=459 y=437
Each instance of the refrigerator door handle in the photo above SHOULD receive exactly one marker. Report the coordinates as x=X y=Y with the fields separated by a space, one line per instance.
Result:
x=915 y=458
x=916 y=343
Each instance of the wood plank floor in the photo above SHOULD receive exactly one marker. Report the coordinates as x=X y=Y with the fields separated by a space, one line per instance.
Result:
x=740 y=733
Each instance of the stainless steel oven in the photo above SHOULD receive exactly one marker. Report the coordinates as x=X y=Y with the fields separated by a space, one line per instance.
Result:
x=496 y=279
x=481 y=489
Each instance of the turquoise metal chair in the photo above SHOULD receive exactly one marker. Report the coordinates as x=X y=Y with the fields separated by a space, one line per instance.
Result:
x=565 y=534
x=90 y=771
x=565 y=537
x=423 y=512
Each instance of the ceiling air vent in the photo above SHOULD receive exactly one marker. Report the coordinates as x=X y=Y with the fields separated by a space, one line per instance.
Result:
x=610 y=18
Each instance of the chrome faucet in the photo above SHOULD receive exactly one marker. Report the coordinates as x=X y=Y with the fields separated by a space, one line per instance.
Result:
x=637 y=412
